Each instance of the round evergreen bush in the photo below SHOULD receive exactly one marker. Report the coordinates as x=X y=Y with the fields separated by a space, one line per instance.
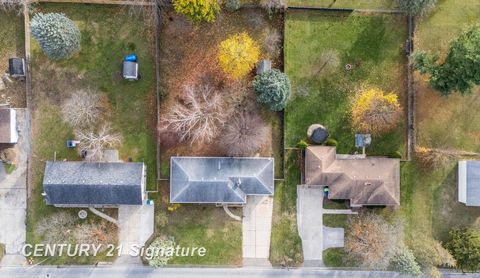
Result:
x=302 y=144
x=57 y=35
x=273 y=89
x=331 y=142
x=395 y=154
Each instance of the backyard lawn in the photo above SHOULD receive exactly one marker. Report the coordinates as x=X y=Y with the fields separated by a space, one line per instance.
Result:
x=107 y=35
x=11 y=45
x=188 y=57
x=355 y=4
x=429 y=198
x=322 y=91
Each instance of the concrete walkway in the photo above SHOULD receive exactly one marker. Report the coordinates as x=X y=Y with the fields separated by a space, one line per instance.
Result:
x=256 y=230
x=13 y=197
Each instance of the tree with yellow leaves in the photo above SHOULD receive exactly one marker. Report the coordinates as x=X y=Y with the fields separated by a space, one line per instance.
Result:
x=375 y=112
x=238 y=55
x=197 y=10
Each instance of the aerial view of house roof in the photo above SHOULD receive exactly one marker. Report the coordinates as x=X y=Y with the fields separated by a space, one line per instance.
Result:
x=72 y=183
x=363 y=181
x=8 y=132
x=469 y=182
x=219 y=179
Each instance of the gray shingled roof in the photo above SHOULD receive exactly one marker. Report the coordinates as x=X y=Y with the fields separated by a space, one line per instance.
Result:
x=219 y=179
x=89 y=183
x=473 y=183
x=5 y=125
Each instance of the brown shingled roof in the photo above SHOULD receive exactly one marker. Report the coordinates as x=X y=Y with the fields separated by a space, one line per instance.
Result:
x=366 y=181
x=5 y=129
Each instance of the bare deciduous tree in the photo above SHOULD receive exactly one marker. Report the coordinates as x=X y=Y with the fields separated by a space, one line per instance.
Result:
x=273 y=5
x=82 y=108
x=99 y=234
x=271 y=43
x=200 y=117
x=12 y=5
x=328 y=62
x=56 y=228
x=245 y=134
x=372 y=241
x=96 y=142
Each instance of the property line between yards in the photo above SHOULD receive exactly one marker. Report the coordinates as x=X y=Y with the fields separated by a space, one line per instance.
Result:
x=28 y=95
x=384 y=11
x=108 y=2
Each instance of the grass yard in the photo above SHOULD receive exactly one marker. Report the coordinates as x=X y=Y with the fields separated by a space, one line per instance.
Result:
x=285 y=241
x=346 y=4
x=12 y=44
x=335 y=220
x=188 y=56
x=429 y=198
x=107 y=35
x=200 y=226
x=372 y=44
x=434 y=112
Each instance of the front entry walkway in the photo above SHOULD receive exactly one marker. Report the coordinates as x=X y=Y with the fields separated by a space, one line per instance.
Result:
x=257 y=227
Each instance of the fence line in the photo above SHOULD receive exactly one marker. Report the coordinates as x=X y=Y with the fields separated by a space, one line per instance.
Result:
x=28 y=95
x=106 y=2
x=411 y=128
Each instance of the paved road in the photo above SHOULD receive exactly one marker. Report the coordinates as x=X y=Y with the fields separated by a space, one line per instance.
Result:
x=145 y=272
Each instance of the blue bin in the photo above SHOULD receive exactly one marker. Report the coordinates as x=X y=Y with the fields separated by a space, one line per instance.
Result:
x=131 y=58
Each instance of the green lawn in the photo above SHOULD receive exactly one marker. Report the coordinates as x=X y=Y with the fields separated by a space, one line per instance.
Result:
x=373 y=44
x=12 y=44
x=285 y=240
x=2 y=251
x=429 y=198
x=354 y=4
x=335 y=220
x=11 y=32
x=107 y=35
x=200 y=226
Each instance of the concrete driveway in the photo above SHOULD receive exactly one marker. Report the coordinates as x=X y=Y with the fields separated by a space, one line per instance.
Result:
x=315 y=237
x=13 y=196
x=256 y=230
x=135 y=225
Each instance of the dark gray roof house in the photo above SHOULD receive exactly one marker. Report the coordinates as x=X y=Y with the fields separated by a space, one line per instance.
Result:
x=220 y=180
x=94 y=184
x=469 y=182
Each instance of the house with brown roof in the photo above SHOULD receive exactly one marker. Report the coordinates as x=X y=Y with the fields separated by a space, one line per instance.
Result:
x=8 y=126
x=365 y=181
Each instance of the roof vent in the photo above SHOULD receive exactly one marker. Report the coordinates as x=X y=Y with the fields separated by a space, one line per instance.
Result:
x=219 y=166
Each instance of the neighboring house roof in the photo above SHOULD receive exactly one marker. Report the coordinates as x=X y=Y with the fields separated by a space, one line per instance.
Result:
x=219 y=179
x=363 y=181
x=5 y=125
x=90 y=183
x=469 y=182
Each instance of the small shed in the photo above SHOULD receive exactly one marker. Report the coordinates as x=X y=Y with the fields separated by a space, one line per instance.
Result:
x=317 y=133
x=16 y=67
x=469 y=182
x=130 y=70
x=263 y=66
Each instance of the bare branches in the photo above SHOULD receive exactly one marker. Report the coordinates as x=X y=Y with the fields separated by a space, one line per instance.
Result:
x=272 y=41
x=96 y=142
x=245 y=134
x=199 y=117
x=12 y=5
x=82 y=108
